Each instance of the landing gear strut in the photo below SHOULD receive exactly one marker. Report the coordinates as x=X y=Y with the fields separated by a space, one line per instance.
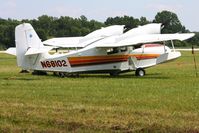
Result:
x=140 y=72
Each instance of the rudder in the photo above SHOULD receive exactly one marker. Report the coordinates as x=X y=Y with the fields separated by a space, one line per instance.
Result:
x=25 y=38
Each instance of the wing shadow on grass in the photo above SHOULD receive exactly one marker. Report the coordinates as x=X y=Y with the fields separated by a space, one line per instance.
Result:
x=21 y=78
x=124 y=76
x=97 y=76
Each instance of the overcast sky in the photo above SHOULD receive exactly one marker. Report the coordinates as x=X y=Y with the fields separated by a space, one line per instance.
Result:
x=187 y=10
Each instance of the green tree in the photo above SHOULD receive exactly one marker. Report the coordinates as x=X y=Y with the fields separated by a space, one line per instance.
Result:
x=45 y=22
x=143 y=21
x=195 y=39
x=170 y=21
x=7 y=28
x=129 y=22
x=42 y=34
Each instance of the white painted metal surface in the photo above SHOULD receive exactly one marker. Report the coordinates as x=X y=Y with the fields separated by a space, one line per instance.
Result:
x=104 y=50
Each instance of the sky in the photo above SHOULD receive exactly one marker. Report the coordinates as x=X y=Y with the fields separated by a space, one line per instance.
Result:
x=100 y=10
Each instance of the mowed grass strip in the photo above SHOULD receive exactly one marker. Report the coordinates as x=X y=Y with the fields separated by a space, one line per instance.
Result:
x=165 y=100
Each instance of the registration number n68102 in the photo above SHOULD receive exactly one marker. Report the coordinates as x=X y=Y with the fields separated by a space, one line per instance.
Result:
x=54 y=63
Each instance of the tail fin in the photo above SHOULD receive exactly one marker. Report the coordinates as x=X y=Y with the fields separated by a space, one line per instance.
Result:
x=26 y=38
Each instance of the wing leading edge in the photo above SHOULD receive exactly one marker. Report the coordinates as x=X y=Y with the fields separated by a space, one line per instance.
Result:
x=146 y=39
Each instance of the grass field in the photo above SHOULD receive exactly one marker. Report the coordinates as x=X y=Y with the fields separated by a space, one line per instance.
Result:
x=165 y=100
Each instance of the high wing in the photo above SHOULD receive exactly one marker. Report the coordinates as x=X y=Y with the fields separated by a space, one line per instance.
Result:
x=71 y=42
x=112 y=42
x=153 y=28
x=105 y=32
x=80 y=42
x=33 y=51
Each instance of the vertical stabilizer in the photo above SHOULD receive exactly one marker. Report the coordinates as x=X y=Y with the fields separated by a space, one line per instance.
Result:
x=25 y=37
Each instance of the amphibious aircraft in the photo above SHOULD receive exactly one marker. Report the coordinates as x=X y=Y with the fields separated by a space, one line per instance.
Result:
x=107 y=50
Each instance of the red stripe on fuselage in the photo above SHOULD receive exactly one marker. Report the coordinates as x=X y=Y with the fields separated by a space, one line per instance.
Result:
x=96 y=60
x=93 y=60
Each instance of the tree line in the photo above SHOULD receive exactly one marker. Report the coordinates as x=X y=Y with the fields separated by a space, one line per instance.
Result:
x=64 y=26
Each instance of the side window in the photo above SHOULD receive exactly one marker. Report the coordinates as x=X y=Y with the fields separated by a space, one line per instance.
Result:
x=113 y=51
x=123 y=49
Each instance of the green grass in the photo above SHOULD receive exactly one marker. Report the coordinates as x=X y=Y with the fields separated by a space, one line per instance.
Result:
x=165 y=100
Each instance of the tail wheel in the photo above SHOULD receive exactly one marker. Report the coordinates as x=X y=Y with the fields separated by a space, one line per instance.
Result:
x=140 y=72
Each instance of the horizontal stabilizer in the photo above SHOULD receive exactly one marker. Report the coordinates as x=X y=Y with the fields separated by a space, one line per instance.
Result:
x=11 y=51
x=33 y=51
x=64 y=42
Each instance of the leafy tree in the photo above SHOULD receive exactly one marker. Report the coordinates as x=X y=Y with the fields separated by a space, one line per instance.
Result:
x=7 y=32
x=75 y=31
x=93 y=25
x=195 y=39
x=84 y=31
x=129 y=22
x=42 y=34
x=83 y=18
x=170 y=21
x=45 y=23
x=143 y=21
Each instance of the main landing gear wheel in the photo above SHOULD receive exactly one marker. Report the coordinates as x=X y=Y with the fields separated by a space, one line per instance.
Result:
x=140 y=72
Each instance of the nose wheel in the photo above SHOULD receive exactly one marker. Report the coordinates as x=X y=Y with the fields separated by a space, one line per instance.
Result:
x=140 y=72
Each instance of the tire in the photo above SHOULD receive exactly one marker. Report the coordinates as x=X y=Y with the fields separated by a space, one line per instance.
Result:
x=140 y=72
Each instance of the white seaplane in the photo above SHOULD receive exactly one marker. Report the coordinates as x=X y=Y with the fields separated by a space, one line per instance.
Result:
x=107 y=50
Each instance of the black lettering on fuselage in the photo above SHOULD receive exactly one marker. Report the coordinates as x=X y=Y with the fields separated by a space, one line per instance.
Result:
x=55 y=63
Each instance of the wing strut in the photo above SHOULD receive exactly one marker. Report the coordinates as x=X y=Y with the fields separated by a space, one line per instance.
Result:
x=173 y=46
x=164 y=46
